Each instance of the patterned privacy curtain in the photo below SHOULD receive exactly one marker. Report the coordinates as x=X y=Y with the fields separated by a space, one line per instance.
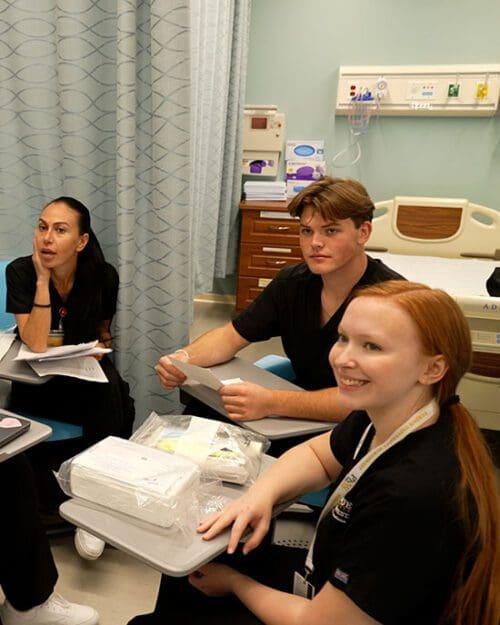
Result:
x=153 y=209
x=220 y=33
x=97 y=102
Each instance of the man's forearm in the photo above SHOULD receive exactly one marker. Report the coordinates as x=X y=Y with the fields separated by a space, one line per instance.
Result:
x=319 y=405
x=215 y=347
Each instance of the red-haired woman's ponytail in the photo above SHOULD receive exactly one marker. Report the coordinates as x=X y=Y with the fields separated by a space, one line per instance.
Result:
x=476 y=598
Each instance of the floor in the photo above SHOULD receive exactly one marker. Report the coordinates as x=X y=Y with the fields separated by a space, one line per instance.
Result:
x=117 y=585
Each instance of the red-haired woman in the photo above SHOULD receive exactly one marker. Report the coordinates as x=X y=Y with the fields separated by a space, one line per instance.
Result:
x=410 y=533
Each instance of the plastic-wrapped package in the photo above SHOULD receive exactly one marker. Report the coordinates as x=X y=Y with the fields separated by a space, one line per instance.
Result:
x=141 y=482
x=223 y=451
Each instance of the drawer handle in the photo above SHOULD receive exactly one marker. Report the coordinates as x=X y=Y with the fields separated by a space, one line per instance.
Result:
x=279 y=228
x=275 y=263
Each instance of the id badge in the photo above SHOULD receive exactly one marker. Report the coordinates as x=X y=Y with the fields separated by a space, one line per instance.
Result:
x=301 y=587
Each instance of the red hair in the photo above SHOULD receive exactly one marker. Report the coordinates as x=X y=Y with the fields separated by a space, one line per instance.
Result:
x=443 y=329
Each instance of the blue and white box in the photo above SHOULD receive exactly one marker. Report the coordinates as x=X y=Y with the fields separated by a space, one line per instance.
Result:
x=305 y=150
x=293 y=187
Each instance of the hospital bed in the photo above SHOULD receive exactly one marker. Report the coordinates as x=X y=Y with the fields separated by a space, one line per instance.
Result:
x=454 y=245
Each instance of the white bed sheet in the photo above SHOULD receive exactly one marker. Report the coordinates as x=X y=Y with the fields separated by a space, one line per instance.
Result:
x=457 y=276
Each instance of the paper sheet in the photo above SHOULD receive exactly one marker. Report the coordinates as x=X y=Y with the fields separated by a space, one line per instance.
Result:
x=82 y=367
x=202 y=375
x=62 y=352
x=6 y=340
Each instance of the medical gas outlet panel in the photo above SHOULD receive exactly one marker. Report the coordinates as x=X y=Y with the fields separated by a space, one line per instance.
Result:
x=420 y=90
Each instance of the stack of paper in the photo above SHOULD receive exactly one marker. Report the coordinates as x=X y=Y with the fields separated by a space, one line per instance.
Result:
x=142 y=482
x=75 y=361
x=274 y=191
x=6 y=340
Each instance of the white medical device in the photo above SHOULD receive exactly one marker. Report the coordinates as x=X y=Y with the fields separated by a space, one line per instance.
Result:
x=263 y=134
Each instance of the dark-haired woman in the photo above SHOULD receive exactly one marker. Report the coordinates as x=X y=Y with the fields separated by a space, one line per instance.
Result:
x=66 y=287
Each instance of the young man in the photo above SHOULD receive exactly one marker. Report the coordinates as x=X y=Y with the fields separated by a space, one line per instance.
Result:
x=303 y=305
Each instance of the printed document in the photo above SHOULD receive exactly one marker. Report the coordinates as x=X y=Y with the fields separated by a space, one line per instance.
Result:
x=82 y=367
x=61 y=352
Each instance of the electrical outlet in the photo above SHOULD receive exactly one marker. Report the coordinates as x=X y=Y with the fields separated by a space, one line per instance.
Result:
x=481 y=90
x=420 y=90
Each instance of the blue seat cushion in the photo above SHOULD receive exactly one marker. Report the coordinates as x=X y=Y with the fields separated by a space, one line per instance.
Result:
x=279 y=365
x=317 y=499
x=7 y=320
x=61 y=431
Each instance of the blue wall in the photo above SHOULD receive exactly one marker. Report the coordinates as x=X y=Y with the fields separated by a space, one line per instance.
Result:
x=296 y=48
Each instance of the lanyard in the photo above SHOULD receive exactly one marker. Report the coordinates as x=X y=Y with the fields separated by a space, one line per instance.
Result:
x=350 y=480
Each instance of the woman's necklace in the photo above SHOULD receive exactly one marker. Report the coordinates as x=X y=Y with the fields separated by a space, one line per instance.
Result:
x=63 y=311
x=63 y=294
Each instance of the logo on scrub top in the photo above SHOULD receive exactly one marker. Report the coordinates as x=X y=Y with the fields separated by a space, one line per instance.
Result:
x=342 y=511
x=342 y=576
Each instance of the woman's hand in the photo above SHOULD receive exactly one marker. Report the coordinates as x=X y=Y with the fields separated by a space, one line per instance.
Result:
x=251 y=510
x=215 y=580
x=99 y=357
x=246 y=401
x=170 y=376
x=42 y=272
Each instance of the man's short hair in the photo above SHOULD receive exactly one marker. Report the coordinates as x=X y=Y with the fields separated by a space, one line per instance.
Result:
x=334 y=199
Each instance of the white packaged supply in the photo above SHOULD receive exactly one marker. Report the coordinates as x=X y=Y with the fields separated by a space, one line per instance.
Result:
x=294 y=187
x=223 y=451
x=142 y=482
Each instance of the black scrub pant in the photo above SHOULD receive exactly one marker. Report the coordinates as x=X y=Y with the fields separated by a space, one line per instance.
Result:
x=179 y=603
x=27 y=570
x=102 y=409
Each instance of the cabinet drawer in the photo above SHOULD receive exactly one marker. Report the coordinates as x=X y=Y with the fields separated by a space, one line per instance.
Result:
x=257 y=229
x=248 y=290
x=257 y=259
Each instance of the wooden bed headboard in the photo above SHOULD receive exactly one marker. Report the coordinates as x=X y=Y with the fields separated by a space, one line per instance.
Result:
x=425 y=226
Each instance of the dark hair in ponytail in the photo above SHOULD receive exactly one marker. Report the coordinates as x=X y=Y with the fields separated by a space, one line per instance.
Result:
x=92 y=253
x=87 y=299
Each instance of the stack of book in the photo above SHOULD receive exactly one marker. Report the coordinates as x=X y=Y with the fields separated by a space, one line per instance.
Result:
x=274 y=191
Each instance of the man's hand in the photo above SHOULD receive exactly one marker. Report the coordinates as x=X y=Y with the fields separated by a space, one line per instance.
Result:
x=246 y=401
x=170 y=376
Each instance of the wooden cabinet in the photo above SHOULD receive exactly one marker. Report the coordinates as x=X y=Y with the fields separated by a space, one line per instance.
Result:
x=269 y=242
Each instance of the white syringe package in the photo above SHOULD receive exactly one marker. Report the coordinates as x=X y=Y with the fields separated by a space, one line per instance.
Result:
x=223 y=451
x=142 y=482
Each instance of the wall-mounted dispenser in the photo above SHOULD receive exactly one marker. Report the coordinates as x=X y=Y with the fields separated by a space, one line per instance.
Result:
x=263 y=134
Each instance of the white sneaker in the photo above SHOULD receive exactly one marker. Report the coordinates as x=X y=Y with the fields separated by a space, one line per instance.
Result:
x=88 y=546
x=55 y=611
